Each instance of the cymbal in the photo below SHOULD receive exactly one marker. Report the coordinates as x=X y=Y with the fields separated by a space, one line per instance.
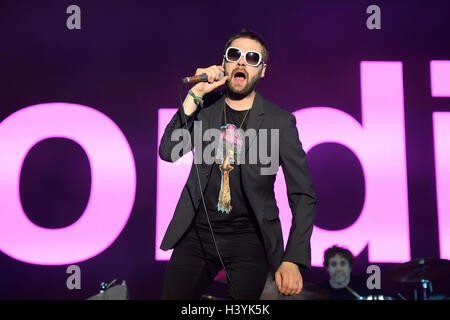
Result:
x=420 y=269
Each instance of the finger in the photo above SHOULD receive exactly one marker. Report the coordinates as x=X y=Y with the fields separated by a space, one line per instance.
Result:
x=292 y=287
x=220 y=82
x=216 y=72
x=204 y=71
x=199 y=71
x=210 y=75
x=278 y=280
x=282 y=285
x=221 y=71
x=213 y=75
x=300 y=285
x=285 y=286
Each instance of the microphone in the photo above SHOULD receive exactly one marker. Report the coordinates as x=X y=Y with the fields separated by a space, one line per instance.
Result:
x=199 y=78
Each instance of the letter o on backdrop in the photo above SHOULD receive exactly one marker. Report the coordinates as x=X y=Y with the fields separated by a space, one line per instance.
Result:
x=113 y=185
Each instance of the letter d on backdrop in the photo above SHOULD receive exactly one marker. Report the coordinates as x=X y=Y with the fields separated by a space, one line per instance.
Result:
x=379 y=144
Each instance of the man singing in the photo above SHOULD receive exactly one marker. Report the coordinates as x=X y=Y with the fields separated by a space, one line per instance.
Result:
x=239 y=202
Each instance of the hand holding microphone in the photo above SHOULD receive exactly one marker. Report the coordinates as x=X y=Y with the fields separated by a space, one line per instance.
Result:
x=199 y=78
x=207 y=79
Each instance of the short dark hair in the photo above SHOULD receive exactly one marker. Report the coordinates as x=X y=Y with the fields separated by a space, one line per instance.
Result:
x=248 y=34
x=334 y=250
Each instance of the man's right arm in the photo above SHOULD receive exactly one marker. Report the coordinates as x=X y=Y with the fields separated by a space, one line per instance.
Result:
x=171 y=137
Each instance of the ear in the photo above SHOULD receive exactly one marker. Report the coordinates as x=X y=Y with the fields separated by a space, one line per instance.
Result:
x=263 y=72
x=223 y=62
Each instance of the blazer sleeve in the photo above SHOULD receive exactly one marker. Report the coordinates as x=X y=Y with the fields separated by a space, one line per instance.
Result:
x=301 y=195
x=178 y=137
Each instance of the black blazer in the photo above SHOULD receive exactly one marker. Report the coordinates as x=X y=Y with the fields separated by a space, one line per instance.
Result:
x=258 y=188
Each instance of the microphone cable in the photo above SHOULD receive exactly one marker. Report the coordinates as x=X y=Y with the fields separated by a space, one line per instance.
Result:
x=181 y=109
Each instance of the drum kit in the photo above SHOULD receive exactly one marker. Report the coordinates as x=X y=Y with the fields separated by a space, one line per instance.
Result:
x=420 y=271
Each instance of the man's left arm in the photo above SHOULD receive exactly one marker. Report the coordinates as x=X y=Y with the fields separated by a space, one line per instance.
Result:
x=302 y=201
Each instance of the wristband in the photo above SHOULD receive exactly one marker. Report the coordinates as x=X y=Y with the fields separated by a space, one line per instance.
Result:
x=198 y=101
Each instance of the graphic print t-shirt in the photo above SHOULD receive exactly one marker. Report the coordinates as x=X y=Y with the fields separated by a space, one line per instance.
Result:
x=228 y=207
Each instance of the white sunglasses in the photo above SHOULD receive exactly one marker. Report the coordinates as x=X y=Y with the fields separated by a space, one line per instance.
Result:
x=252 y=58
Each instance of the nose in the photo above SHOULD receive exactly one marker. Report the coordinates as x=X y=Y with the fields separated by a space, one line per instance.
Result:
x=241 y=61
x=338 y=269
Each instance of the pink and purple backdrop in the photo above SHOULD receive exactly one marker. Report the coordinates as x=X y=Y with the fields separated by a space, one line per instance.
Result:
x=82 y=112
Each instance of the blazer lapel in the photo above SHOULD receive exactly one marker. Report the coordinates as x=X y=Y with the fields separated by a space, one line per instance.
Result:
x=214 y=120
x=216 y=116
x=255 y=117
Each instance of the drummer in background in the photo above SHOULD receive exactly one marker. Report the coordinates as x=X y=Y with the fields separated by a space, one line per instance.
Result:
x=342 y=285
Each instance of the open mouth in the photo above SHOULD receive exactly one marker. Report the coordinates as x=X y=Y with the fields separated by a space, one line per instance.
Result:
x=239 y=76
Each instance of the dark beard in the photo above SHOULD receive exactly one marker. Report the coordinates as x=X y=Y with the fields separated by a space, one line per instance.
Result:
x=241 y=94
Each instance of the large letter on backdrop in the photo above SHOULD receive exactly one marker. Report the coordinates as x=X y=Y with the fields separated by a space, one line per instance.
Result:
x=112 y=193
x=440 y=87
x=379 y=143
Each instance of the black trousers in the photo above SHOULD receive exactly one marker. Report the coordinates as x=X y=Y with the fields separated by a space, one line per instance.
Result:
x=195 y=263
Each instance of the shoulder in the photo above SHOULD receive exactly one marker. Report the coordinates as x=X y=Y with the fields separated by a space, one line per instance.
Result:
x=279 y=116
x=274 y=110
